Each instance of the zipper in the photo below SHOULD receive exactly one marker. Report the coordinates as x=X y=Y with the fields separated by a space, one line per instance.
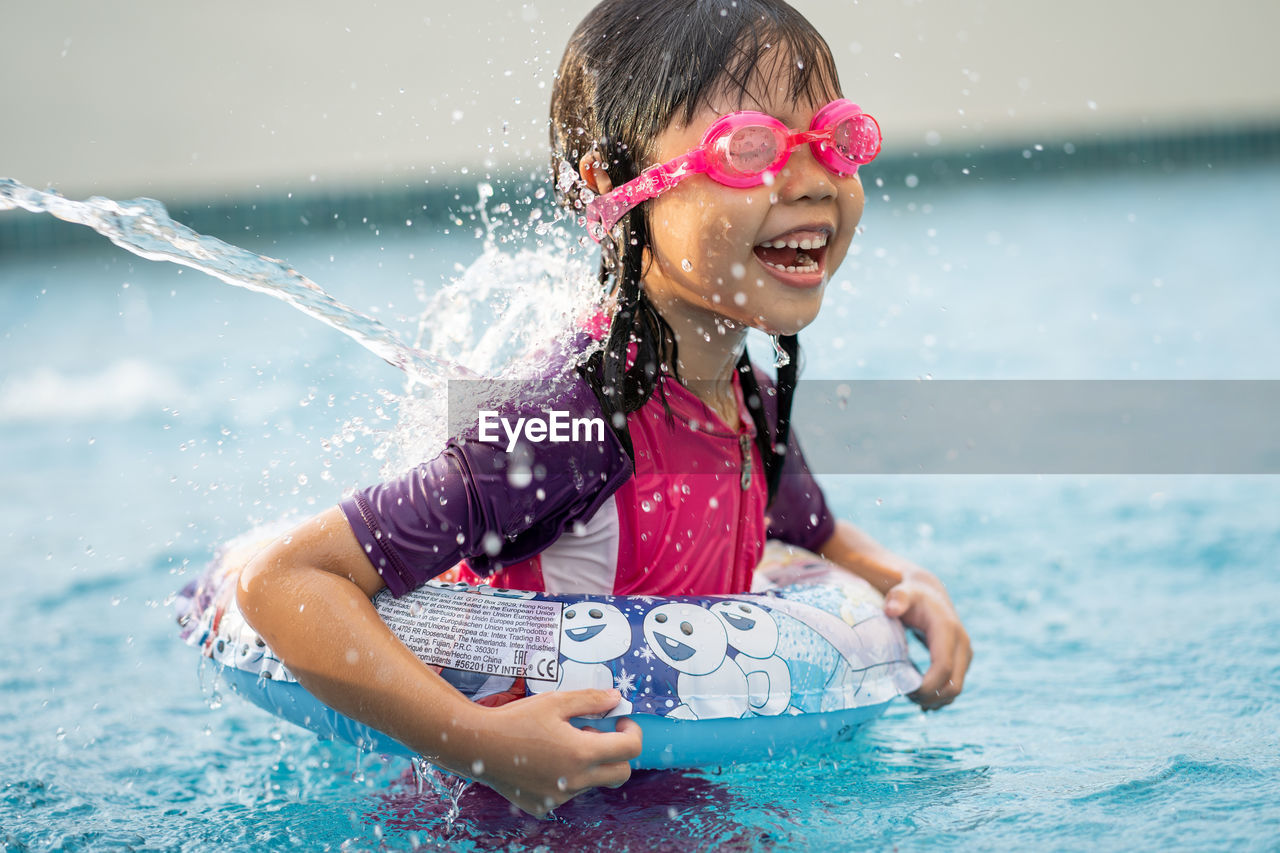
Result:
x=745 y=447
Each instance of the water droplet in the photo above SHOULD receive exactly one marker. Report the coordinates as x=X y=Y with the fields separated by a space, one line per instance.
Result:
x=686 y=265
x=492 y=543
x=739 y=298
x=477 y=767
x=737 y=270
x=780 y=356
x=519 y=475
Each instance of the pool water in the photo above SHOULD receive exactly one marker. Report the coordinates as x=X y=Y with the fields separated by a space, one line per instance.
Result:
x=1126 y=688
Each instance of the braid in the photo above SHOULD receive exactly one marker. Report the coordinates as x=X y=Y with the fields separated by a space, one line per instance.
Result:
x=619 y=388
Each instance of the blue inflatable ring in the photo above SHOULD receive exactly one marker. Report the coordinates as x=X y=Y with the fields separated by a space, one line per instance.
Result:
x=796 y=664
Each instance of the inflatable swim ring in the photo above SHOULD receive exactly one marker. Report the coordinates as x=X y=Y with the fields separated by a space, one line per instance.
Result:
x=799 y=662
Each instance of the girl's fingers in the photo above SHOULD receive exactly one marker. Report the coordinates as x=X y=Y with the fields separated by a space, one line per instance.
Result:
x=931 y=691
x=581 y=703
x=618 y=746
x=612 y=775
x=949 y=650
x=897 y=602
x=945 y=678
x=922 y=610
x=965 y=658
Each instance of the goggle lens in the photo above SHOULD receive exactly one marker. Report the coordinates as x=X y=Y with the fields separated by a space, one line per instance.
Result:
x=856 y=139
x=750 y=151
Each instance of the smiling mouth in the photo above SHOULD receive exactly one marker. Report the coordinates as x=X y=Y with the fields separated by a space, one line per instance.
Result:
x=742 y=623
x=674 y=649
x=581 y=635
x=800 y=252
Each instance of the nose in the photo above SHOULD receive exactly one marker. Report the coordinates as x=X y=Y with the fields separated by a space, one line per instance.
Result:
x=804 y=178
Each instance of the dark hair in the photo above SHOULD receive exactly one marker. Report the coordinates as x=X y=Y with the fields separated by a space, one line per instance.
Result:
x=631 y=68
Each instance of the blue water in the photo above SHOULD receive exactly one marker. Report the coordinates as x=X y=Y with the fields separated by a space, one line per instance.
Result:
x=1126 y=688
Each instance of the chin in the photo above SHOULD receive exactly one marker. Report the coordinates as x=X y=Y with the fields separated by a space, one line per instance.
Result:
x=789 y=322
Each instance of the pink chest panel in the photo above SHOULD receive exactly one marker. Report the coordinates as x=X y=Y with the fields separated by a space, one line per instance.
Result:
x=689 y=521
x=687 y=524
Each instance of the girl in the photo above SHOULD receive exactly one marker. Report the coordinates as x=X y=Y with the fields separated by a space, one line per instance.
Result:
x=750 y=209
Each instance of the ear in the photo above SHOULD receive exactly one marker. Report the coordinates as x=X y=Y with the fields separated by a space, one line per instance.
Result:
x=592 y=171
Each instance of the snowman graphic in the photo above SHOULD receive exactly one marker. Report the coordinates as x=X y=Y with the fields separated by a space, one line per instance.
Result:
x=591 y=634
x=754 y=633
x=692 y=640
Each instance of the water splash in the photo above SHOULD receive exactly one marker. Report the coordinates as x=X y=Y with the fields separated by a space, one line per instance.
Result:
x=499 y=319
x=142 y=226
x=449 y=787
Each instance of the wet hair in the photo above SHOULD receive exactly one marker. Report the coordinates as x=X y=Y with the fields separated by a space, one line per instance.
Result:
x=631 y=69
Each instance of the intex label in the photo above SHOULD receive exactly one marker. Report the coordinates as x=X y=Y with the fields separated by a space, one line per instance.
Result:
x=477 y=630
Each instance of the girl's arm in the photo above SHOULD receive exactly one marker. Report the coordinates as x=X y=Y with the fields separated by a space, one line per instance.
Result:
x=308 y=595
x=919 y=599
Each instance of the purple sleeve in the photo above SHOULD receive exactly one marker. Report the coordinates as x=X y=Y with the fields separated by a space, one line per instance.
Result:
x=798 y=513
x=477 y=502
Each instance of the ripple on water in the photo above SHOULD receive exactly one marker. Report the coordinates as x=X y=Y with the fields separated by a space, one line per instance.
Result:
x=1183 y=777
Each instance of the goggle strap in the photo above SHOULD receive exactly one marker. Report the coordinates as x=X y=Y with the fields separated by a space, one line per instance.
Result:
x=604 y=211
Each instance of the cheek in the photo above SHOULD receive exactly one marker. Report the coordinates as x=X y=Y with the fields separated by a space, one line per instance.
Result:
x=675 y=224
x=717 y=220
x=852 y=198
x=851 y=205
x=856 y=199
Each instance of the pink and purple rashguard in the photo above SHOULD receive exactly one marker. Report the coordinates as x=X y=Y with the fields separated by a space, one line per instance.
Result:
x=582 y=517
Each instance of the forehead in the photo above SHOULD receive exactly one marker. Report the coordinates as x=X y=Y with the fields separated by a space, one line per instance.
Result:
x=777 y=83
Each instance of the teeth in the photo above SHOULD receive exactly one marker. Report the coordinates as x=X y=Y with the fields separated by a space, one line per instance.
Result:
x=807 y=268
x=807 y=243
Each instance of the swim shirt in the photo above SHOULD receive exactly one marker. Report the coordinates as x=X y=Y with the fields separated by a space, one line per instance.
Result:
x=687 y=517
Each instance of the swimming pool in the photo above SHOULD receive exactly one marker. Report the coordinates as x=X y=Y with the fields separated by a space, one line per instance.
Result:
x=1126 y=689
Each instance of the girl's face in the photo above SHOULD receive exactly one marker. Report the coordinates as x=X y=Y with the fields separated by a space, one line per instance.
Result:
x=722 y=254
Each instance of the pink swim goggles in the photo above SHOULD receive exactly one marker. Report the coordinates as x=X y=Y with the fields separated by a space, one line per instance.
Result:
x=747 y=149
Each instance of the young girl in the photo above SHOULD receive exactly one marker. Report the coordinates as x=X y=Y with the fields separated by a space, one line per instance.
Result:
x=750 y=209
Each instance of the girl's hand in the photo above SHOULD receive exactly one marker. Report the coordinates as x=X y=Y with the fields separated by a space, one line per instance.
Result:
x=530 y=753
x=922 y=603
x=919 y=599
x=308 y=595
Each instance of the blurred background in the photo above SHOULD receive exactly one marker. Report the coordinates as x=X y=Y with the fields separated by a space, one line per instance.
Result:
x=405 y=100
x=1067 y=191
